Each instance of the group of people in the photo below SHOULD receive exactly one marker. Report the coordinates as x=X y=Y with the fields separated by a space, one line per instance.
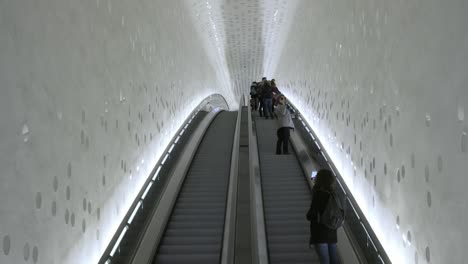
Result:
x=264 y=96
x=326 y=213
x=271 y=103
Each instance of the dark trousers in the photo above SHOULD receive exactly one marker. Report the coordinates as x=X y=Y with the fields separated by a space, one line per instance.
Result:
x=267 y=102
x=260 y=108
x=283 y=139
x=254 y=102
x=327 y=253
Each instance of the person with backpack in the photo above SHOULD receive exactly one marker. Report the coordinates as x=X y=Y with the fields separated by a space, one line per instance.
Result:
x=260 y=95
x=326 y=215
x=253 y=96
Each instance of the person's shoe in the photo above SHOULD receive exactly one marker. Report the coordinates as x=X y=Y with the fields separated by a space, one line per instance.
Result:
x=286 y=153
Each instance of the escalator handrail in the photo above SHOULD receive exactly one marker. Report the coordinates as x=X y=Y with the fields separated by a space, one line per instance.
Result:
x=259 y=244
x=227 y=253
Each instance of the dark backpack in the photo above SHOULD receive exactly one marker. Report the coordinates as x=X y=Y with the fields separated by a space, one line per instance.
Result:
x=253 y=90
x=333 y=216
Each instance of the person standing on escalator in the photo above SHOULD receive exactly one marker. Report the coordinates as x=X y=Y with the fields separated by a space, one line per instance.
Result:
x=325 y=216
x=260 y=96
x=253 y=96
x=285 y=124
x=267 y=94
x=276 y=95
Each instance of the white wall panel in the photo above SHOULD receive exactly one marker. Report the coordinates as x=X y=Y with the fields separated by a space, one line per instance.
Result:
x=384 y=84
x=91 y=93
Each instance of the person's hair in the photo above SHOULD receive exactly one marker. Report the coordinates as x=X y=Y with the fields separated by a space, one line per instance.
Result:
x=264 y=79
x=325 y=180
x=273 y=83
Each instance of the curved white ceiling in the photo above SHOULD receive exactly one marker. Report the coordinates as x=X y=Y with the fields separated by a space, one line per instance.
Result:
x=243 y=38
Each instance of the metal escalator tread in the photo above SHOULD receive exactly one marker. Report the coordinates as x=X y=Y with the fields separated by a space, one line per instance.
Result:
x=194 y=232
x=286 y=199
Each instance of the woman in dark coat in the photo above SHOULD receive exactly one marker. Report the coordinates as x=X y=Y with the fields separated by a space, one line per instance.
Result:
x=322 y=238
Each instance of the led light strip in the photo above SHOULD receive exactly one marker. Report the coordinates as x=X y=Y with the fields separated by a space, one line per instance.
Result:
x=117 y=243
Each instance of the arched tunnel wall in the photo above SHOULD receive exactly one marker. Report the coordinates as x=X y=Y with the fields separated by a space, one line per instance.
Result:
x=93 y=90
x=384 y=84
x=91 y=93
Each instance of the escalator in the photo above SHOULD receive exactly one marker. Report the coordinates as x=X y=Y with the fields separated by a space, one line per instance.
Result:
x=286 y=199
x=201 y=203
x=194 y=232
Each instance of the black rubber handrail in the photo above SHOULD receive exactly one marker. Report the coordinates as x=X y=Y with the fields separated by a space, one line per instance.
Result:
x=227 y=253
x=259 y=241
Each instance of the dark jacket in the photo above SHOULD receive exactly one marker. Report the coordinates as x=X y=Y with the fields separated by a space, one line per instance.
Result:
x=267 y=91
x=259 y=90
x=319 y=233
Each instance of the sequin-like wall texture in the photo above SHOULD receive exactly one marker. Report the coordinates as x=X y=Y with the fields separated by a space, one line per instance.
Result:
x=92 y=92
x=384 y=85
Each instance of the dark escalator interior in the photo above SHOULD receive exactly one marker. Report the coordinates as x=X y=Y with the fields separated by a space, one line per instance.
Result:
x=194 y=233
x=286 y=199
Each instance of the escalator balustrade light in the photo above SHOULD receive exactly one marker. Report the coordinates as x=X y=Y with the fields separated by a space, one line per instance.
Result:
x=318 y=146
x=172 y=147
x=341 y=186
x=157 y=172
x=147 y=190
x=354 y=210
x=132 y=216
x=365 y=230
x=324 y=156
x=117 y=243
x=165 y=158
x=312 y=135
